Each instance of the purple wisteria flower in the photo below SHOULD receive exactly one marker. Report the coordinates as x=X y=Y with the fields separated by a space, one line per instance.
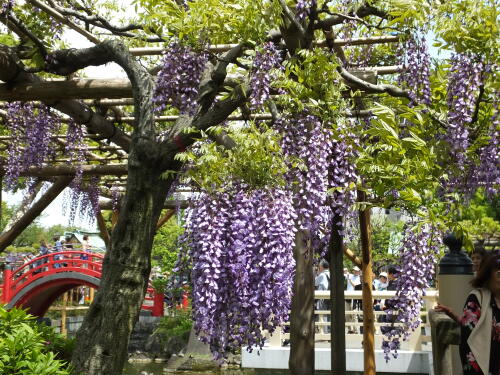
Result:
x=418 y=255
x=242 y=251
x=32 y=126
x=179 y=78
x=261 y=75
x=464 y=81
x=6 y=7
x=416 y=62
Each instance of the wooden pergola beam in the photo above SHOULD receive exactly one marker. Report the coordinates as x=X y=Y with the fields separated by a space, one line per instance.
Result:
x=107 y=204
x=150 y=51
x=34 y=211
x=102 y=88
x=165 y=218
x=352 y=257
x=74 y=89
x=71 y=170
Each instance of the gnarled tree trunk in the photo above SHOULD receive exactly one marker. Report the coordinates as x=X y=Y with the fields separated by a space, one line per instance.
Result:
x=125 y=273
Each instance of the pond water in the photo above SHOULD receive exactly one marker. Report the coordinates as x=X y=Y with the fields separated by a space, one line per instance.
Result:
x=157 y=369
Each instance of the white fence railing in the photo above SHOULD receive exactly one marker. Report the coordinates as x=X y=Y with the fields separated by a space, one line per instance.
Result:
x=354 y=324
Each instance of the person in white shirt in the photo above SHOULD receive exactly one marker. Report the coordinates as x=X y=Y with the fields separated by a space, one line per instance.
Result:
x=322 y=282
x=352 y=280
x=381 y=283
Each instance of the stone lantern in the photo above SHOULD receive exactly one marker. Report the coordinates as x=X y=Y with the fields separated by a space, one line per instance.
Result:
x=455 y=275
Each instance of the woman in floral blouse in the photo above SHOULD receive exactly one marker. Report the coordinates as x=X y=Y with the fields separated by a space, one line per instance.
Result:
x=480 y=320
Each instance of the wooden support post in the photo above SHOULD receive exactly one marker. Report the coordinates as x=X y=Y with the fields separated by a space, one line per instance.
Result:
x=114 y=218
x=158 y=309
x=31 y=214
x=301 y=360
x=352 y=257
x=337 y=312
x=92 y=294
x=1 y=211
x=368 y=315
x=7 y=274
x=63 y=315
x=165 y=218
x=102 y=228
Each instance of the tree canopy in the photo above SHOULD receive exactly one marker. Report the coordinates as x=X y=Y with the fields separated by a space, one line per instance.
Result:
x=275 y=113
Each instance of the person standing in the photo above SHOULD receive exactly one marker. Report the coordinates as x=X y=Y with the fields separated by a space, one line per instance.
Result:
x=480 y=322
x=85 y=250
x=392 y=276
x=322 y=282
x=57 y=248
x=353 y=280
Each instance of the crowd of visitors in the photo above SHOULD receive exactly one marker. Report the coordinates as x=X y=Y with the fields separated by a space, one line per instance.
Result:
x=58 y=245
x=386 y=280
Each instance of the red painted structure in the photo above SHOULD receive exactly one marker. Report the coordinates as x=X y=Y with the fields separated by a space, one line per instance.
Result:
x=38 y=283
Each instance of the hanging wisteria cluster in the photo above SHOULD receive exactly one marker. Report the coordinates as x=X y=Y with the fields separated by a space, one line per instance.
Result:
x=241 y=246
x=178 y=80
x=306 y=141
x=342 y=172
x=6 y=7
x=416 y=62
x=464 y=82
x=82 y=197
x=32 y=125
x=75 y=148
x=261 y=76
x=488 y=172
x=115 y=197
x=418 y=255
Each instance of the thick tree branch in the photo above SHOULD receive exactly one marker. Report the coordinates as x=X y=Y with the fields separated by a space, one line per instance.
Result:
x=12 y=73
x=363 y=11
x=291 y=17
x=361 y=84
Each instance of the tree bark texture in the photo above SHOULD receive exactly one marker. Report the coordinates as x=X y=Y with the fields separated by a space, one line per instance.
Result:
x=301 y=360
x=102 y=341
x=337 y=312
x=366 y=269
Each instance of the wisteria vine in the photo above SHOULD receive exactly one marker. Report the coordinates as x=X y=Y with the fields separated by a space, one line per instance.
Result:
x=82 y=197
x=464 y=82
x=305 y=140
x=178 y=80
x=261 y=75
x=32 y=125
x=418 y=254
x=241 y=247
x=416 y=61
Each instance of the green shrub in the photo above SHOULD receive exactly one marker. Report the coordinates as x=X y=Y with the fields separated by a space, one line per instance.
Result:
x=25 y=348
x=178 y=325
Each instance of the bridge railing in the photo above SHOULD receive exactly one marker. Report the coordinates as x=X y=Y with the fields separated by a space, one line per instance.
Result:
x=63 y=261
x=14 y=280
x=354 y=323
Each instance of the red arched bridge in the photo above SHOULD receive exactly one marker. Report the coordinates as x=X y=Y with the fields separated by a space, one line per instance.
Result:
x=38 y=283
